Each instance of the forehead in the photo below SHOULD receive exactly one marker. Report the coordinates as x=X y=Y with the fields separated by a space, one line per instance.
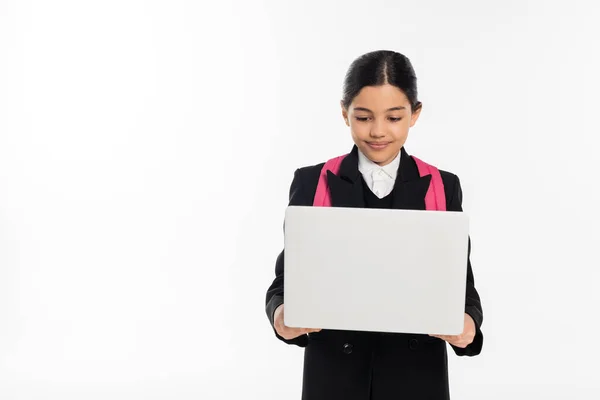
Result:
x=380 y=98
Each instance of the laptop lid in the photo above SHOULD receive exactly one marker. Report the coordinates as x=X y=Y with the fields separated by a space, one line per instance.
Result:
x=380 y=270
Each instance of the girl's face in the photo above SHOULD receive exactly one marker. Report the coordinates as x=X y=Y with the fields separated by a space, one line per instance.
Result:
x=379 y=118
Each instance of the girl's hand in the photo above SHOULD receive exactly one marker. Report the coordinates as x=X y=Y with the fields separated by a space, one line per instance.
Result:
x=465 y=338
x=285 y=331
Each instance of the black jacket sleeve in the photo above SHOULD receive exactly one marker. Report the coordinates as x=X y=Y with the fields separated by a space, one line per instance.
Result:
x=472 y=300
x=274 y=296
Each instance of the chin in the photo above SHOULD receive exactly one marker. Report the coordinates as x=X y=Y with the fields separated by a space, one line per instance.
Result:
x=380 y=156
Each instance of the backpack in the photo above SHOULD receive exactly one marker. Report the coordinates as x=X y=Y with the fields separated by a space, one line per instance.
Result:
x=435 y=199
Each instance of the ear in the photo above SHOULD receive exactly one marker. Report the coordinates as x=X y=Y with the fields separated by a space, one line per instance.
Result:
x=415 y=114
x=345 y=113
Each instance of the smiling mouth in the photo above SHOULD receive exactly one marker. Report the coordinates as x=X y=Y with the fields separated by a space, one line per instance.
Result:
x=378 y=145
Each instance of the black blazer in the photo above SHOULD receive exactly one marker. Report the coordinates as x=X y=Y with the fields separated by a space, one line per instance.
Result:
x=354 y=365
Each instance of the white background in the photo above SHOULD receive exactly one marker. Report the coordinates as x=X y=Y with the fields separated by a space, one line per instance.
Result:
x=146 y=152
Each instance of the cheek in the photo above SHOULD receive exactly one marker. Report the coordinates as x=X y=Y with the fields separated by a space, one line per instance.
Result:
x=400 y=129
x=360 y=130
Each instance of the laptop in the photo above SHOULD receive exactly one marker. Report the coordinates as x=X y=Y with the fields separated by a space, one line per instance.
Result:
x=375 y=270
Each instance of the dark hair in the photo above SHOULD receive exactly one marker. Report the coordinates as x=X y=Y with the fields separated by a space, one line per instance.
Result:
x=378 y=68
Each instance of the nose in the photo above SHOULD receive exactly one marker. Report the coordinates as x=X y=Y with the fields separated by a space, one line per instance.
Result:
x=377 y=130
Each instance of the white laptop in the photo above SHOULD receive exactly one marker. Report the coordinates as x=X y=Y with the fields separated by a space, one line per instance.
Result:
x=378 y=270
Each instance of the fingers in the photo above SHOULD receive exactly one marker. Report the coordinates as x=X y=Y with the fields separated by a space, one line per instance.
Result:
x=461 y=341
x=448 y=338
x=289 y=332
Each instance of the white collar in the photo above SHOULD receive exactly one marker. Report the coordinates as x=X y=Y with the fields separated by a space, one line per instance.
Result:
x=366 y=166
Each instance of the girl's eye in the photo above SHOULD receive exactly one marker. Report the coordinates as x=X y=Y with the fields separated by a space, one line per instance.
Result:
x=365 y=119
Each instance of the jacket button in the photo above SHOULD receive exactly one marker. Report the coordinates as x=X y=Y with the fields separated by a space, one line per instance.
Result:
x=413 y=344
x=347 y=348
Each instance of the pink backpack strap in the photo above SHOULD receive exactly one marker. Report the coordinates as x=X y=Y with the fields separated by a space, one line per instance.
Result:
x=322 y=197
x=435 y=199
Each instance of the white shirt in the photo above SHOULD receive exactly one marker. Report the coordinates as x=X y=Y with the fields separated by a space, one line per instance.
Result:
x=379 y=179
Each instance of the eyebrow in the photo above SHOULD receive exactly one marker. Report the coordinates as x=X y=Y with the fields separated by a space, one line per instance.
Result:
x=399 y=108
